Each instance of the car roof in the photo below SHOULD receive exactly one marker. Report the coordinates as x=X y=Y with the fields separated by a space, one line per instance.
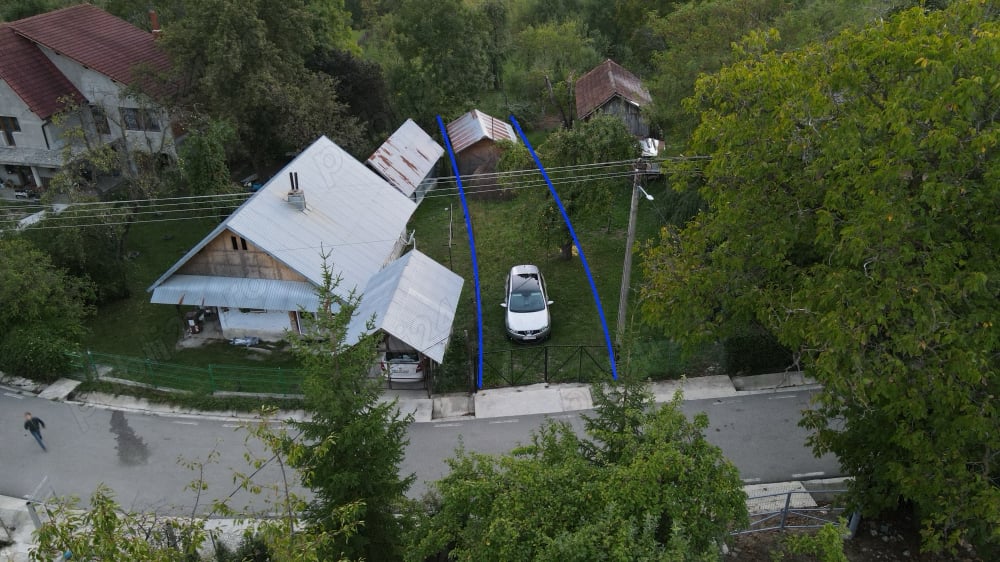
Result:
x=524 y=270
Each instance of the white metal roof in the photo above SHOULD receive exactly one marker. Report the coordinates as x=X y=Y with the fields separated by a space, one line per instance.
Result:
x=475 y=126
x=413 y=299
x=351 y=213
x=236 y=292
x=406 y=157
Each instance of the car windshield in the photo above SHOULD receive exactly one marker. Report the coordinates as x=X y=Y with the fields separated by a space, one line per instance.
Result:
x=526 y=295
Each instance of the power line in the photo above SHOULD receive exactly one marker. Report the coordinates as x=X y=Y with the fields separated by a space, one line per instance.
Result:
x=100 y=212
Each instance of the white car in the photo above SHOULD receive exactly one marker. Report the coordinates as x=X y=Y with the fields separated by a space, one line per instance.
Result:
x=402 y=367
x=527 y=303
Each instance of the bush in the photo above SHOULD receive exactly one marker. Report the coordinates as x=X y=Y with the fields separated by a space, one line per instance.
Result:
x=34 y=355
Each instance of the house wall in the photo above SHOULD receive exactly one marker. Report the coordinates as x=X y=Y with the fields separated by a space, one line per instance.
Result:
x=31 y=134
x=484 y=153
x=102 y=90
x=36 y=134
x=267 y=325
x=629 y=113
x=219 y=259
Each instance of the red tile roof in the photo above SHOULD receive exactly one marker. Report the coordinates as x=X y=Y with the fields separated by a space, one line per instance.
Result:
x=604 y=82
x=32 y=75
x=97 y=40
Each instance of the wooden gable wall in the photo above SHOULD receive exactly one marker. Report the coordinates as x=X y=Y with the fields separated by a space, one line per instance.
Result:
x=230 y=255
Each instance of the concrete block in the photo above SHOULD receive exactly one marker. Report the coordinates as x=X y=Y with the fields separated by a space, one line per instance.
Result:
x=453 y=405
x=772 y=381
x=421 y=408
x=765 y=498
x=698 y=388
x=518 y=401
x=575 y=397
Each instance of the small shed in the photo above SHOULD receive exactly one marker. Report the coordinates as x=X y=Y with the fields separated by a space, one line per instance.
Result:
x=407 y=159
x=609 y=88
x=474 y=138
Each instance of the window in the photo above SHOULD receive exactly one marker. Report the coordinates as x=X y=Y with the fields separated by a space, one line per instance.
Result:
x=237 y=245
x=100 y=120
x=139 y=119
x=9 y=126
x=243 y=243
x=233 y=240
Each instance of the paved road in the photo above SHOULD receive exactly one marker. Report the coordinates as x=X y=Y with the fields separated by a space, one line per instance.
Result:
x=758 y=432
x=136 y=454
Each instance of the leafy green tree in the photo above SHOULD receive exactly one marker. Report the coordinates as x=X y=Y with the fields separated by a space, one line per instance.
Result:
x=436 y=57
x=352 y=445
x=203 y=158
x=103 y=532
x=603 y=138
x=695 y=38
x=42 y=314
x=544 y=63
x=244 y=62
x=851 y=211
x=361 y=84
x=657 y=491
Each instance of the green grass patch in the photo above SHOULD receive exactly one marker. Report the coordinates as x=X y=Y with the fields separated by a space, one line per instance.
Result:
x=507 y=233
x=137 y=328
x=194 y=401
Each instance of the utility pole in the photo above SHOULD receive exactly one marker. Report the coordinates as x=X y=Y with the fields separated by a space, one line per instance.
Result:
x=627 y=268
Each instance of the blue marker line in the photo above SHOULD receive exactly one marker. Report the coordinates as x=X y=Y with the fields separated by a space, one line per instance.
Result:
x=583 y=258
x=472 y=246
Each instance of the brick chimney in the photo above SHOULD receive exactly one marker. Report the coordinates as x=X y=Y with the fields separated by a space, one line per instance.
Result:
x=154 y=24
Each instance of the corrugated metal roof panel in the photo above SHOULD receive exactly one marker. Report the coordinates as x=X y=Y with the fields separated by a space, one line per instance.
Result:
x=235 y=292
x=406 y=157
x=414 y=299
x=351 y=213
x=475 y=126
x=604 y=82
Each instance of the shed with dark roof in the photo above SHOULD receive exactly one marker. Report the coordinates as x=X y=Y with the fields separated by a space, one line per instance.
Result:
x=609 y=88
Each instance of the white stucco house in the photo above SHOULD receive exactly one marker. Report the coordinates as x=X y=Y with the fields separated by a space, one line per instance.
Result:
x=83 y=59
x=259 y=269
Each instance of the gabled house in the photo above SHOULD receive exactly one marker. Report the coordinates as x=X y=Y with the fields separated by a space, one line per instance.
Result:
x=609 y=88
x=407 y=159
x=474 y=138
x=261 y=266
x=80 y=57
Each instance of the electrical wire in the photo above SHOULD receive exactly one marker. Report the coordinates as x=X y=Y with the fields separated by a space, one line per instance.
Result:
x=99 y=212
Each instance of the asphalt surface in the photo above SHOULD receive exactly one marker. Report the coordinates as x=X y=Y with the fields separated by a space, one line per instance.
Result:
x=137 y=455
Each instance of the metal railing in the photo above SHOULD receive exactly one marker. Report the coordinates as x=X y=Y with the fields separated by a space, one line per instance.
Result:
x=548 y=364
x=207 y=379
x=781 y=511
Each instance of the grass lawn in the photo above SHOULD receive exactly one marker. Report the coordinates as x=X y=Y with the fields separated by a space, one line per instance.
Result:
x=507 y=234
x=134 y=327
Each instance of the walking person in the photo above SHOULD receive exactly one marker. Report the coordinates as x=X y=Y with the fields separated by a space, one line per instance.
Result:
x=34 y=426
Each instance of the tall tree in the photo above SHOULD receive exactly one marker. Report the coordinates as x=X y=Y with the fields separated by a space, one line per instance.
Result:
x=352 y=445
x=438 y=62
x=244 y=62
x=603 y=138
x=544 y=63
x=656 y=491
x=42 y=314
x=852 y=202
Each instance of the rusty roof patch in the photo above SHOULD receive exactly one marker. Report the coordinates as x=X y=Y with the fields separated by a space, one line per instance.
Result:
x=475 y=126
x=605 y=81
x=406 y=157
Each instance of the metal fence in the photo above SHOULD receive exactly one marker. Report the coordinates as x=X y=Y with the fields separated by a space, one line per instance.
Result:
x=548 y=364
x=205 y=379
x=795 y=509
